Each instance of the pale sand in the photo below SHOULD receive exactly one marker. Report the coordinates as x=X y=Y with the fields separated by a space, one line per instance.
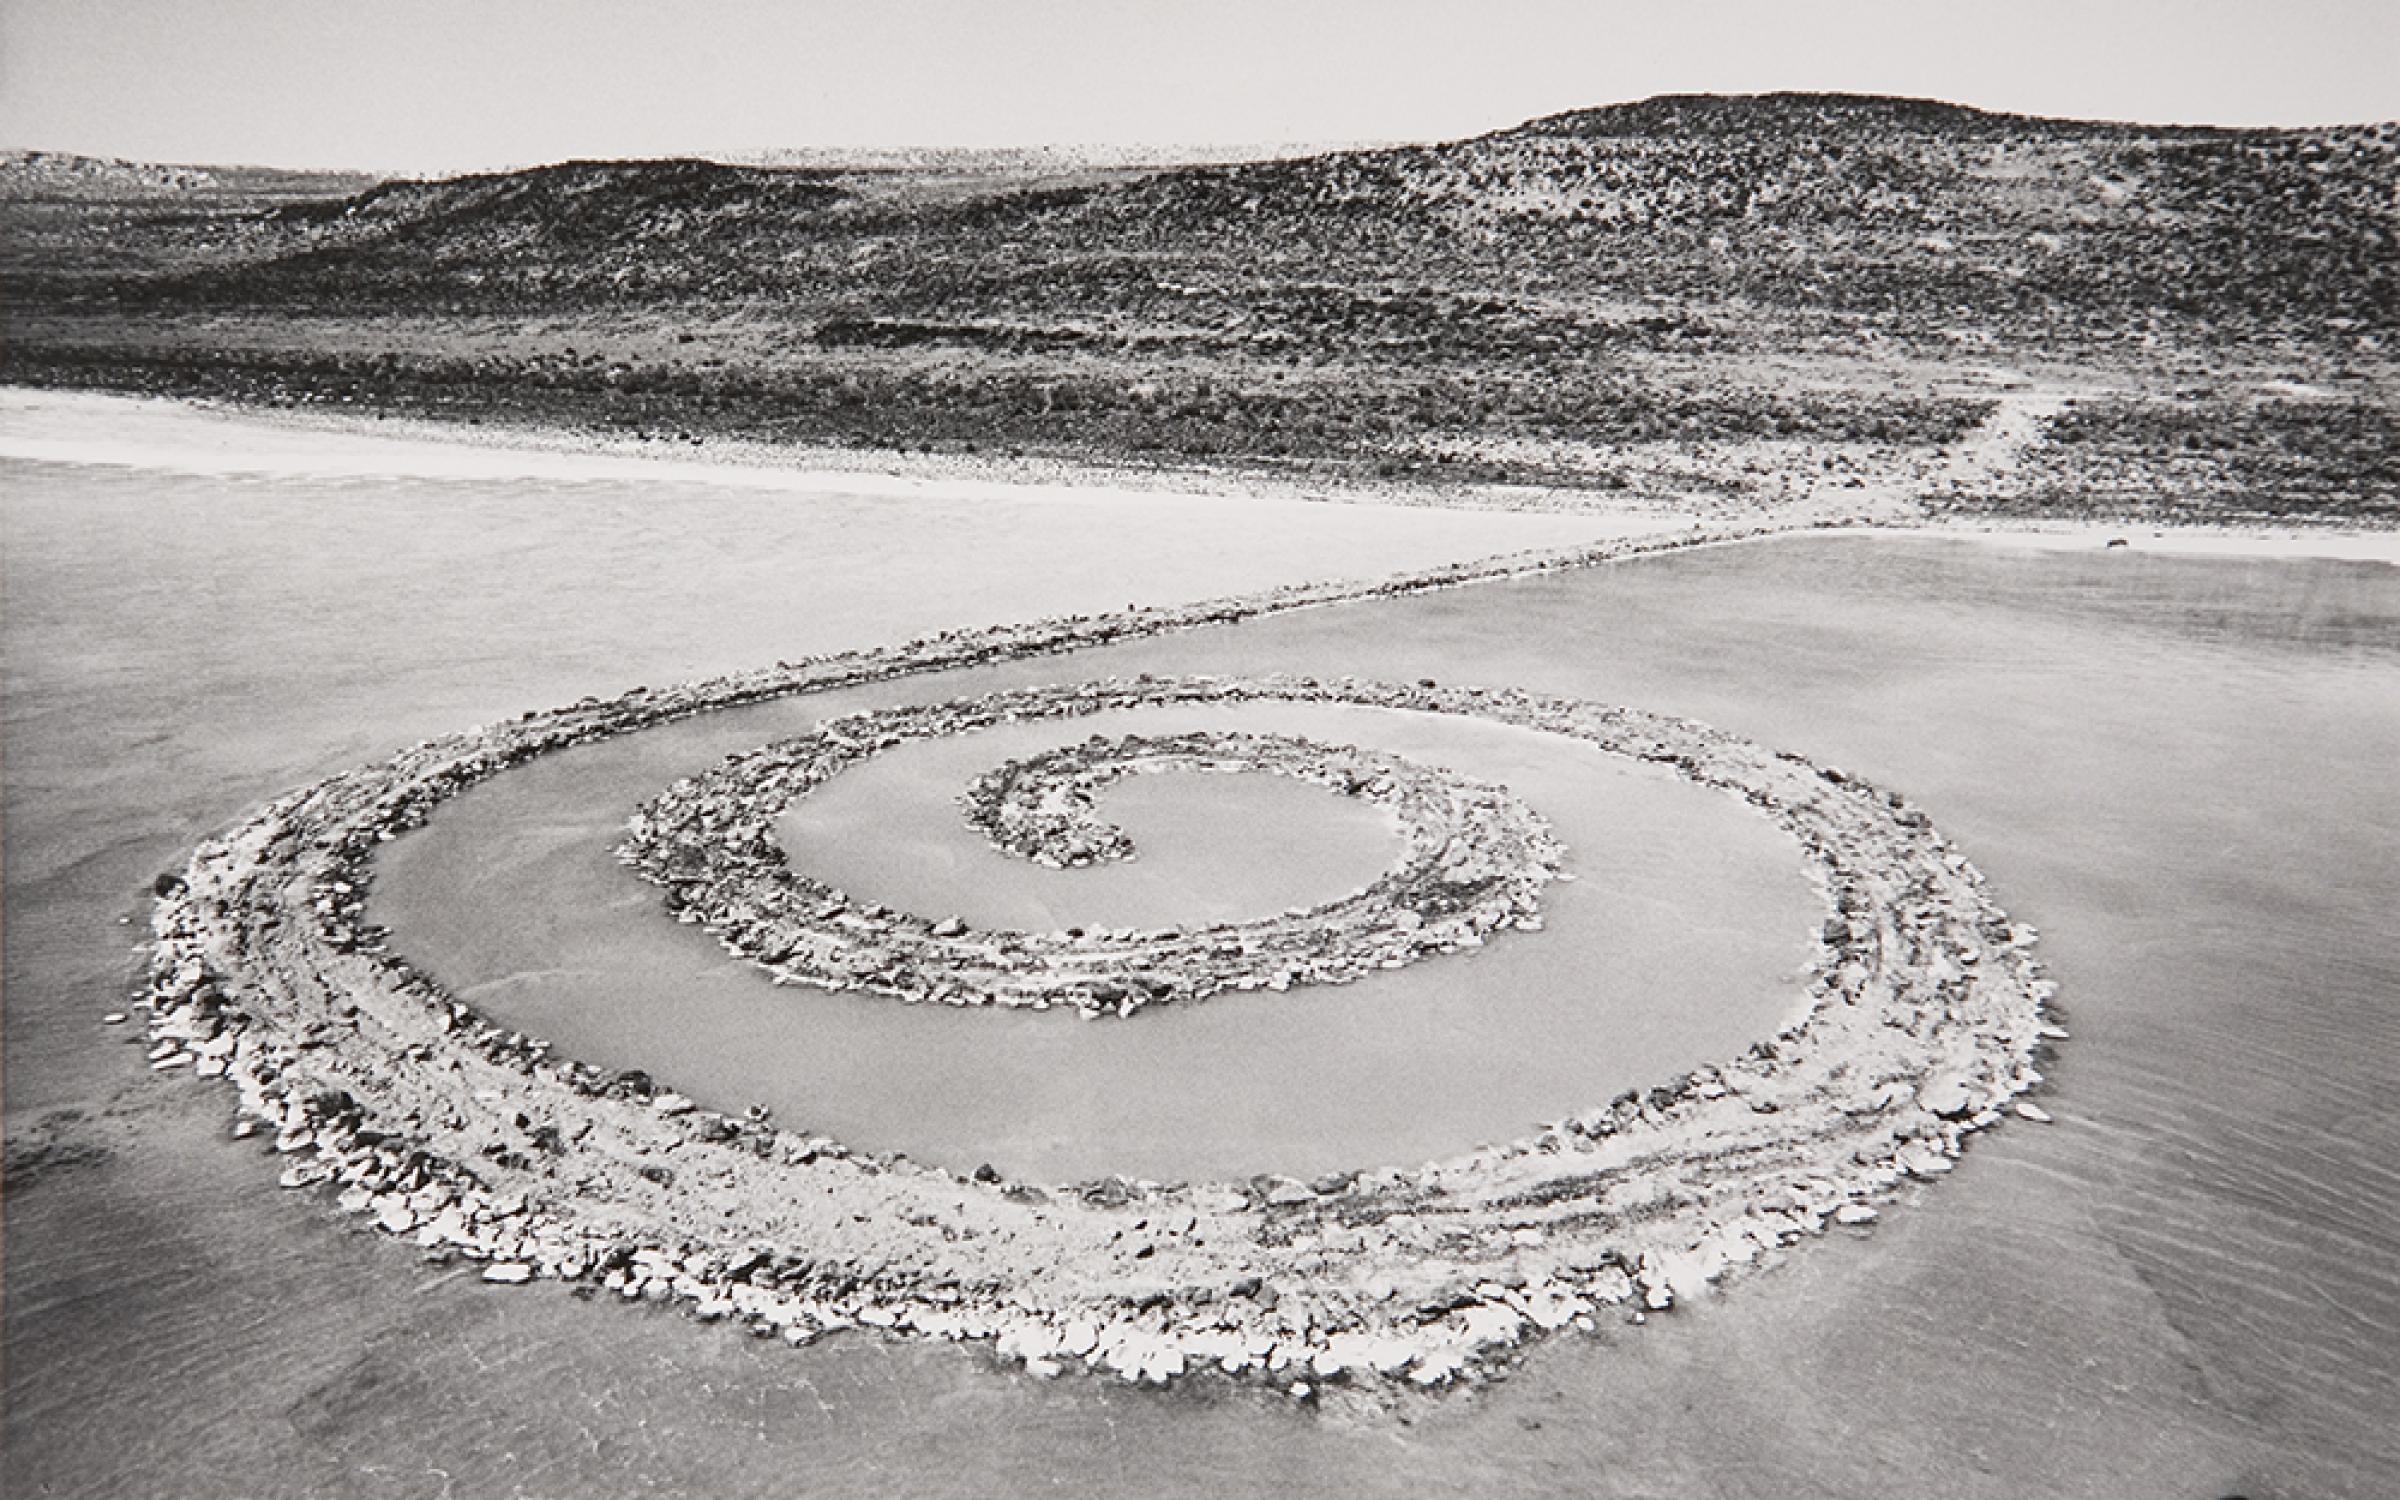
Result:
x=78 y=427
x=85 y=427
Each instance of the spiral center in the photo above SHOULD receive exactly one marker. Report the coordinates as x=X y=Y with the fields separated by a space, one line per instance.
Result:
x=1474 y=860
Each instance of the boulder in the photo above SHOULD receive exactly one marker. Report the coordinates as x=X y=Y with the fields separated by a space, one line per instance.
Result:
x=1948 y=1096
x=1286 y=1192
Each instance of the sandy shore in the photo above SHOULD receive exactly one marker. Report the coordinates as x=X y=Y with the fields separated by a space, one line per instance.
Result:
x=155 y=432
x=203 y=437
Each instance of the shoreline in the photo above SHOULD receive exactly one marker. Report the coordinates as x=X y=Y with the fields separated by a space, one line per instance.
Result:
x=2326 y=544
x=1926 y=1017
x=218 y=437
x=212 y=436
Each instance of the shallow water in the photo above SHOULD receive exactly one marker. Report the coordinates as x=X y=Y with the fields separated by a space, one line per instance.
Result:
x=1207 y=847
x=1679 y=942
x=179 y=647
x=2178 y=768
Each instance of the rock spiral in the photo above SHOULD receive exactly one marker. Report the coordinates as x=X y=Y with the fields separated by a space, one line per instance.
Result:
x=1925 y=1021
x=1475 y=858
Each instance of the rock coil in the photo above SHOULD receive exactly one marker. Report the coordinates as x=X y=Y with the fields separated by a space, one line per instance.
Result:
x=1924 y=1024
x=1474 y=860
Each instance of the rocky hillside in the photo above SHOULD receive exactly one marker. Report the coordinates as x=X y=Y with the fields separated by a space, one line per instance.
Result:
x=1534 y=305
x=1821 y=202
x=1877 y=206
x=578 y=229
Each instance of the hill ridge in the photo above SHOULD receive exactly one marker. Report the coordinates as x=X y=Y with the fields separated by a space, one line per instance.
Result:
x=1690 y=287
x=1710 y=113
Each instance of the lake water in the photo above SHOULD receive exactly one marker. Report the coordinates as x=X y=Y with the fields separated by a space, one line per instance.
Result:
x=2180 y=769
x=1681 y=940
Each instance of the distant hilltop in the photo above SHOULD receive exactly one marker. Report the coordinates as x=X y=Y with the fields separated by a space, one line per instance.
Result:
x=1845 y=204
x=64 y=173
x=1662 y=115
x=1816 y=113
x=1027 y=160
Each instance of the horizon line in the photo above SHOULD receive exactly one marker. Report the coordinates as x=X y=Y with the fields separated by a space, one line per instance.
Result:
x=1162 y=153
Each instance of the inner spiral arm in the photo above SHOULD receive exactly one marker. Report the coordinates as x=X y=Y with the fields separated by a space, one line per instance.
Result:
x=1474 y=861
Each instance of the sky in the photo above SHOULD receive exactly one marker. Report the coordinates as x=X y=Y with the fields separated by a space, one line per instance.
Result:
x=432 y=85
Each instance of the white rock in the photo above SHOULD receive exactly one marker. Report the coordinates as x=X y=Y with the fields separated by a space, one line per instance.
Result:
x=1436 y=1366
x=1947 y=1096
x=1490 y=1323
x=1551 y=1308
x=1389 y=1356
x=1925 y=1161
